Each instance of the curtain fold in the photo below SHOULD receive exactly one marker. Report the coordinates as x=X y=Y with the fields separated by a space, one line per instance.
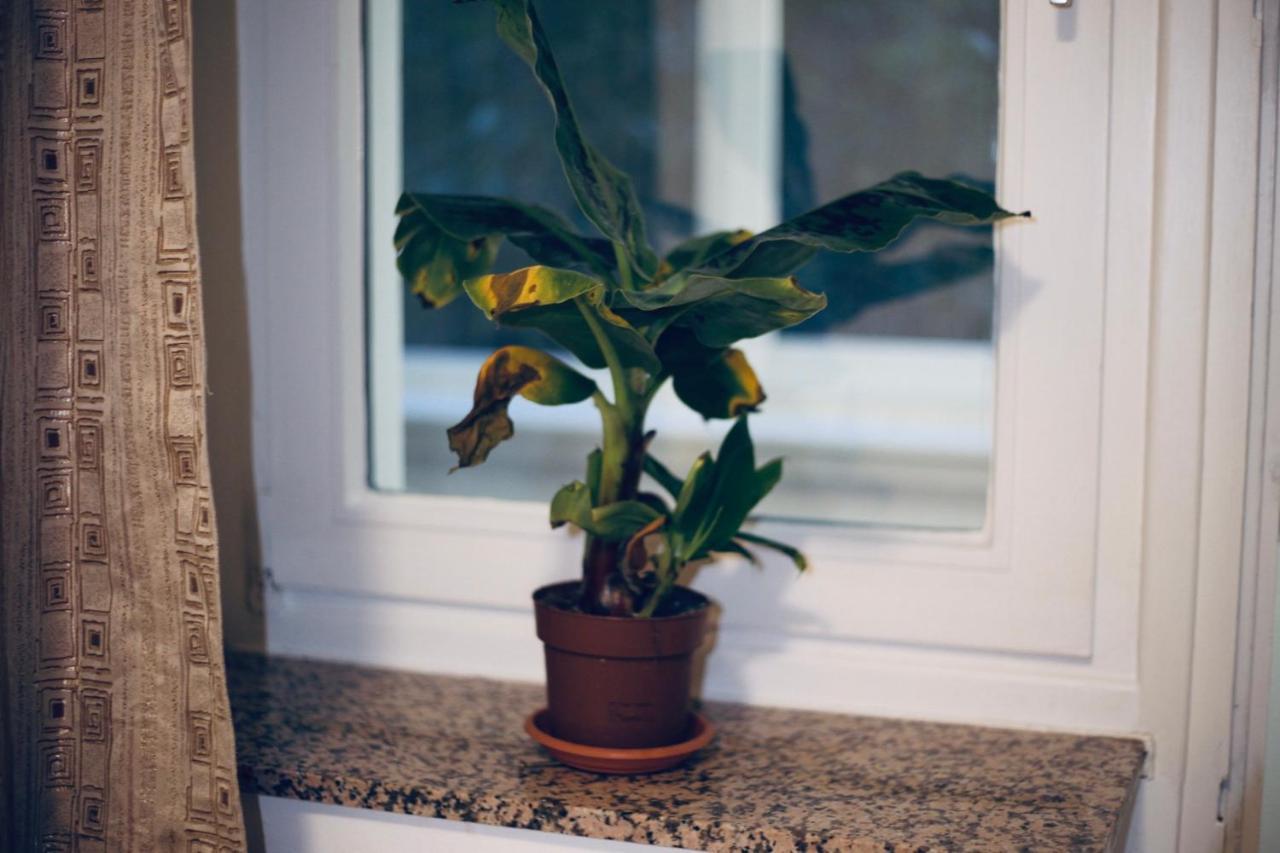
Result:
x=116 y=732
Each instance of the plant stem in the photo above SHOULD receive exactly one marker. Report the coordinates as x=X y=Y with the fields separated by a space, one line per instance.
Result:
x=599 y=560
x=621 y=466
x=624 y=267
x=602 y=592
x=621 y=391
x=613 y=451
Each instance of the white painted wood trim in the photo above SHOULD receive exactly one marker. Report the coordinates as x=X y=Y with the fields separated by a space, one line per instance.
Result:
x=296 y=826
x=385 y=168
x=1229 y=299
x=1199 y=361
x=1257 y=624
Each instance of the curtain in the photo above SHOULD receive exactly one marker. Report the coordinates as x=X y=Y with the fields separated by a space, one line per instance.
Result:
x=116 y=733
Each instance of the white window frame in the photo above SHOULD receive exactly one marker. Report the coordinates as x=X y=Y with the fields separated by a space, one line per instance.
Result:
x=1120 y=378
x=1029 y=594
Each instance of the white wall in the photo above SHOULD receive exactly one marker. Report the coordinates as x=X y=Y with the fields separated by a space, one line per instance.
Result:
x=226 y=308
x=1270 y=837
x=293 y=826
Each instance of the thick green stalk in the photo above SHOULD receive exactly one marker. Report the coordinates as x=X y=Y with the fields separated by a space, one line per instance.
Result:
x=621 y=390
x=621 y=466
x=602 y=590
x=613 y=451
x=624 y=267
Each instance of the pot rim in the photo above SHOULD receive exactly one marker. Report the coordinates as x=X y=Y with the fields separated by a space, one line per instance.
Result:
x=694 y=613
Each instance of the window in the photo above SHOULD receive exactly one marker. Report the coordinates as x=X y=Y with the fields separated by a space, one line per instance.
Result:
x=726 y=114
x=1035 y=605
x=1023 y=582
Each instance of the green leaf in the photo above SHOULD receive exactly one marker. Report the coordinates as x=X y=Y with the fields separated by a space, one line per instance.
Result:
x=696 y=511
x=734 y=492
x=741 y=550
x=509 y=371
x=433 y=262
x=695 y=545
x=715 y=383
x=546 y=298
x=720 y=311
x=604 y=193
x=864 y=221
x=737 y=447
x=741 y=500
x=621 y=520
x=655 y=501
x=709 y=514
x=572 y=504
x=440 y=226
x=764 y=542
x=737 y=487
x=695 y=250
x=691 y=502
x=611 y=522
x=663 y=475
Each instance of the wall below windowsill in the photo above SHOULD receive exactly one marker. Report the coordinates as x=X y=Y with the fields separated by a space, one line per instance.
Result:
x=449 y=747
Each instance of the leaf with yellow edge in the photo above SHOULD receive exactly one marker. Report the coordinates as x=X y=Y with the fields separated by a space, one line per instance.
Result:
x=443 y=240
x=544 y=298
x=434 y=262
x=715 y=383
x=531 y=287
x=512 y=370
x=725 y=388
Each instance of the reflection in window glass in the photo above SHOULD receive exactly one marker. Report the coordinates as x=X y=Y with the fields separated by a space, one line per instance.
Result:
x=884 y=414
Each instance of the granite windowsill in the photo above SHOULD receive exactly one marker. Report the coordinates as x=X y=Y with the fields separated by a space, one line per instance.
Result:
x=774 y=779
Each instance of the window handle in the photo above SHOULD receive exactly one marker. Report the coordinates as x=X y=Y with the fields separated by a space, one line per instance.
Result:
x=1061 y=4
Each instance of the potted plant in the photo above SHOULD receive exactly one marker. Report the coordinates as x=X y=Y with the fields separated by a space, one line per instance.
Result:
x=618 y=641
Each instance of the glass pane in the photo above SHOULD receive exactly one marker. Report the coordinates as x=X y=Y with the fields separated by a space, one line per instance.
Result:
x=883 y=415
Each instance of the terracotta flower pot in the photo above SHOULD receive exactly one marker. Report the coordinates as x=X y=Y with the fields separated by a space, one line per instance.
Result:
x=617 y=681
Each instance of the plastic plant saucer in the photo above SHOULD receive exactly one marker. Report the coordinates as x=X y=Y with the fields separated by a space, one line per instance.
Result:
x=599 y=759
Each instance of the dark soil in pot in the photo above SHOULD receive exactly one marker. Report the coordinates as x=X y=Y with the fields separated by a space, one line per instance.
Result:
x=619 y=681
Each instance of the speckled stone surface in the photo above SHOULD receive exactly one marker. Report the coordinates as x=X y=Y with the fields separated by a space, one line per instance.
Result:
x=773 y=780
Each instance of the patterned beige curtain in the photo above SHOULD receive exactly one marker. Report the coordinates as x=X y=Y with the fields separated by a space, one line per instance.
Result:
x=115 y=732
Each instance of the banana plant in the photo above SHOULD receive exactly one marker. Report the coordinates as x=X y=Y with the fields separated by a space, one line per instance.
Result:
x=613 y=303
